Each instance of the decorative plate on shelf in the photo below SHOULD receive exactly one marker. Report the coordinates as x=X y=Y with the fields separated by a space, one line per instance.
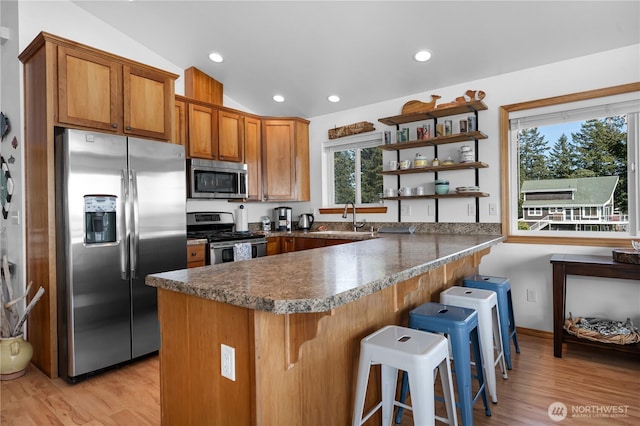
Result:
x=463 y=189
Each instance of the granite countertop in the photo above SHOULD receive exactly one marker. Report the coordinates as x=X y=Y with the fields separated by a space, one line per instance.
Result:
x=322 y=279
x=196 y=241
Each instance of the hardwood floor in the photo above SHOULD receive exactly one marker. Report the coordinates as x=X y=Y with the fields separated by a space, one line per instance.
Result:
x=583 y=380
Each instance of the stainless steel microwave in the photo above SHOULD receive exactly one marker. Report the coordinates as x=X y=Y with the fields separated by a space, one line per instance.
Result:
x=216 y=179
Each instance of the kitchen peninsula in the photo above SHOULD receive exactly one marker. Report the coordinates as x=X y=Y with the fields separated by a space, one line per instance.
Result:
x=295 y=321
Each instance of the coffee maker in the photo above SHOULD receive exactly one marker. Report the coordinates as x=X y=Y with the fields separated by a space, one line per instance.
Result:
x=282 y=219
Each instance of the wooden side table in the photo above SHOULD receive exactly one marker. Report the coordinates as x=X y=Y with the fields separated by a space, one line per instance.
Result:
x=592 y=266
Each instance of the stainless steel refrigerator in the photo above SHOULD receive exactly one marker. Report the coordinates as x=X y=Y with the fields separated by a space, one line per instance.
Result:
x=121 y=215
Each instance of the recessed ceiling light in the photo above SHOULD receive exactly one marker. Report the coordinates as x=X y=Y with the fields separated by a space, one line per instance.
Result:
x=215 y=57
x=334 y=98
x=278 y=98
x=422 y=56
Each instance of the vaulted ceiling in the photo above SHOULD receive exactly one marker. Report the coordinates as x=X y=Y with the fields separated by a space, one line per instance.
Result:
x=363 y=51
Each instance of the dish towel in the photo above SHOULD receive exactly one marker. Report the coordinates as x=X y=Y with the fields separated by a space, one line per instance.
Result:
x=241 y=251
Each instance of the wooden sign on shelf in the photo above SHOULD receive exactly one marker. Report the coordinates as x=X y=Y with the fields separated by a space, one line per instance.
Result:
x=351 y=129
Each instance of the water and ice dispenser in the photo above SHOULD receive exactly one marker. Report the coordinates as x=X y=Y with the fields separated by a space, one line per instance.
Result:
x=100 y=219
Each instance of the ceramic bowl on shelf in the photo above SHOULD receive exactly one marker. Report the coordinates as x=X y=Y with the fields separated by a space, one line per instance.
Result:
x=442 y=186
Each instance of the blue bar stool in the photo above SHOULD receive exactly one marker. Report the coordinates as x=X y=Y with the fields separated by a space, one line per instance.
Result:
x=460 y=325
x=420 y=355
x=502 y=287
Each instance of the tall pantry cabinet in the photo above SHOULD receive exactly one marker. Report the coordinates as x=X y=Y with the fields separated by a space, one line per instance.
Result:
x=68 y=84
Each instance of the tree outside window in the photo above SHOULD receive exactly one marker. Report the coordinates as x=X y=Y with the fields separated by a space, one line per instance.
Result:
x=357 y=174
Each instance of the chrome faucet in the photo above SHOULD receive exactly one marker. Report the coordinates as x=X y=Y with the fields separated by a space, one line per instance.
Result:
x=356 y=225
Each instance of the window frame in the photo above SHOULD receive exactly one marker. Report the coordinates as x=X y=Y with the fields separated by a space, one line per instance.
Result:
x=506 y=167
x=367 y=140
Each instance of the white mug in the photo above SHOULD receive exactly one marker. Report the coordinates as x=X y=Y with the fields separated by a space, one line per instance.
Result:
x=393 y=165
x=389 y=192
x=419 y=190
x=405 y=164
x=404 y=191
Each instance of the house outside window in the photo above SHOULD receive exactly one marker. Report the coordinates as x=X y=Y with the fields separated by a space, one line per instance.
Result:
x=352 y=166
x=535 y=211
x=572 y=166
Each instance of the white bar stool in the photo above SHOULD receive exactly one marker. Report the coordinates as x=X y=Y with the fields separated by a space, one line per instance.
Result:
x=418 y=353
x=485 y=302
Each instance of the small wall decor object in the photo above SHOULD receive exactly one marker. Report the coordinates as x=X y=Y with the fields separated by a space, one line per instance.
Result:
x=419 y=106
x=351 y=129
x=6 y=190
x=14 y=142
x=4 y=125
x=469 y=96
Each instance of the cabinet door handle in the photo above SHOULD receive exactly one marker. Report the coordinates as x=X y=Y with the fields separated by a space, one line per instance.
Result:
x=194 y=253
x=128 y=127
x=114 y=125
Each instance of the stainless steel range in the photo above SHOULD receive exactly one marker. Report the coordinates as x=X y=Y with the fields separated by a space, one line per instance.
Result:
x=218 y=229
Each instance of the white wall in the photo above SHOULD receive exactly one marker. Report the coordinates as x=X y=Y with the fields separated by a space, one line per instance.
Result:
x=526 y=265
x=11 y=230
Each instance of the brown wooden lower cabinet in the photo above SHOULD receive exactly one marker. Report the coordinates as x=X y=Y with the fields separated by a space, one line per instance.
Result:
x=291 y=369
x=196 y=255
x=302 y=243
x=287 y=244
x=277 y=245
x=273 y=246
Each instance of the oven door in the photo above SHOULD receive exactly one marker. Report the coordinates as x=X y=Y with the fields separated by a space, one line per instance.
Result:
x=223 y=252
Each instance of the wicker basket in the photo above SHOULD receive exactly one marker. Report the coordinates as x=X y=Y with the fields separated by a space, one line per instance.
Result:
x=571 y=325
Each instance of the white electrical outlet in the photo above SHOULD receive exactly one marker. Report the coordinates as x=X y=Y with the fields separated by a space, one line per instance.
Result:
x=493 y=209
x=471 y=209
x=531 y=295
x=228 y=362
x=406 y=209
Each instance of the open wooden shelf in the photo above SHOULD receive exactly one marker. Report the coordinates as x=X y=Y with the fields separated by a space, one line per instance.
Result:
x=396 y=120
x=440 y=140
x=433 y=196
x=442 y=168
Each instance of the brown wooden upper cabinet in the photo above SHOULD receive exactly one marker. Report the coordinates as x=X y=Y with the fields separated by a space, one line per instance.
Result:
x=285 y=159
x=230 y=140
x=98 y=91
x=202 y=132
x=252 y=156
x=179 y=123
x=214 y=133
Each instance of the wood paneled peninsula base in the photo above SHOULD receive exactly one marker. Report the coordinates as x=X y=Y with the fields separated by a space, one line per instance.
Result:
x=295 y=321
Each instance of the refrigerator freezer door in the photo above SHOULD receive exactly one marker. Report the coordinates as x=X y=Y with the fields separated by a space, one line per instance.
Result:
x=96 y=312
x=158 y=238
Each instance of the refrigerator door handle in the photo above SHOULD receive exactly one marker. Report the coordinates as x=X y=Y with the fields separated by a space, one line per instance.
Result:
x=123 y=228
x=135 y=232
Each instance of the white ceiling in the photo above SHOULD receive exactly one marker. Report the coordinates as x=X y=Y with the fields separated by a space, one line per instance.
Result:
x=362 y=50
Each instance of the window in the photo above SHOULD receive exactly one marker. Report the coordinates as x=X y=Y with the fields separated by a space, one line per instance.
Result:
x=353 y=166
x=572 y=166
x=535 y=211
